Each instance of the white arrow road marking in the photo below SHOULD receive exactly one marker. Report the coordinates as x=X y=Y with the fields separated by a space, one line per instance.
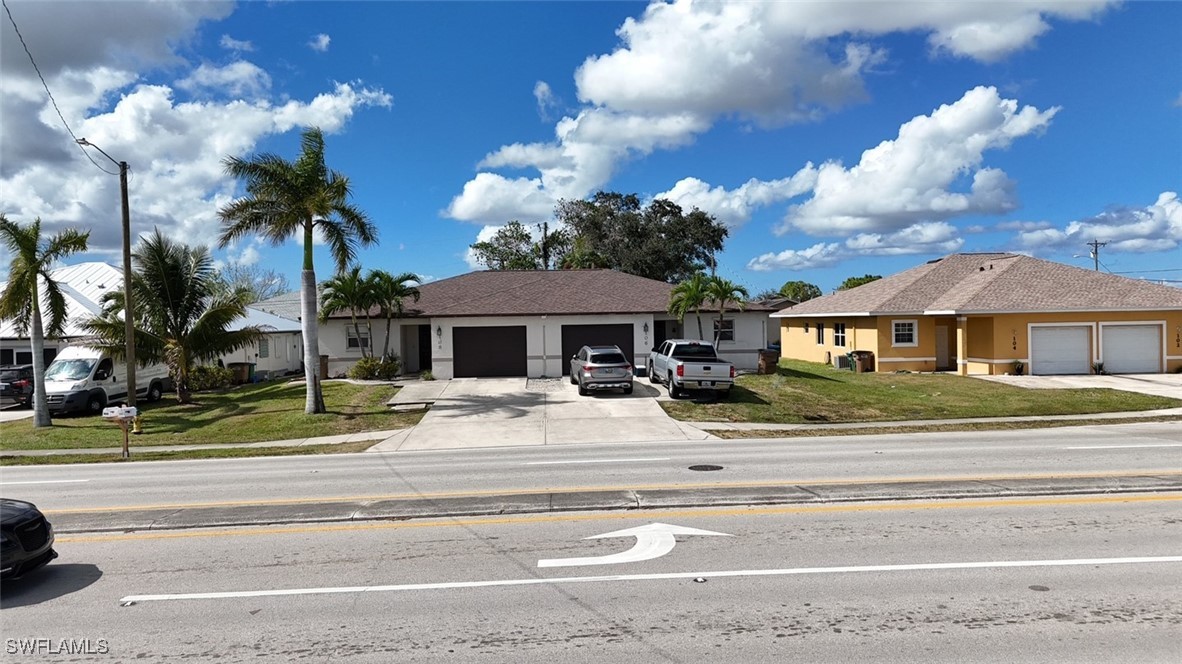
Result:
x=457 y=585
x=652 y=541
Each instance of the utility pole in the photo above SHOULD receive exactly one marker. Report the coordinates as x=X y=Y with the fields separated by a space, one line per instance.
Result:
x=545 y=247
x=128 y=302
x=1095 y=245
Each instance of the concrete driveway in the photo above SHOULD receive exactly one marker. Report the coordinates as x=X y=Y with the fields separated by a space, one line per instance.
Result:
x=491 y=412
x=1162 y=385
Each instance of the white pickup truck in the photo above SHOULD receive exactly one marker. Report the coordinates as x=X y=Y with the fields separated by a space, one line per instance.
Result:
x=688 y=364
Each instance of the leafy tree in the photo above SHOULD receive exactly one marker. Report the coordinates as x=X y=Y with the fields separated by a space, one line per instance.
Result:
x=302 y=196
x=688 y=296
x=182 y=315
x=349 y=291
x=721 y=291
x=31 y=260
x=389 y=293
x=799 y=290
x=854 y=282
x=513 y=247
x=260 y=282
x=659 y=241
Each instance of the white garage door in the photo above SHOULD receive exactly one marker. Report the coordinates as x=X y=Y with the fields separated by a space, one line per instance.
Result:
x=1131 y=348
x=1059 y=350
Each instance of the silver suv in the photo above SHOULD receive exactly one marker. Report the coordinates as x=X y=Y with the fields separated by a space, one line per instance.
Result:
x=601 y=368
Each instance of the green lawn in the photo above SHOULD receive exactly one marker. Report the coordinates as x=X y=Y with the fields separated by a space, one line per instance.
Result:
x=807 y=392
x=245 y=414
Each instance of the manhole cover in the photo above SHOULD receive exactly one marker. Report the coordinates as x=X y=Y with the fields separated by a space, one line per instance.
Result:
x=705 y=467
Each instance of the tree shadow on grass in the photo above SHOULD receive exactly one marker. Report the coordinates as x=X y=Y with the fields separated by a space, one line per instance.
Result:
x=788 y=372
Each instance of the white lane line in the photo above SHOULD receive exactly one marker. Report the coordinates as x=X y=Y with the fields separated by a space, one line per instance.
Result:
x=7 y=483
x=1120 y=447
x=554 y=463
x=131 y=599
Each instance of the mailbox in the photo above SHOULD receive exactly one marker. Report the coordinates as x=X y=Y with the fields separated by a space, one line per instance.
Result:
x=120 y=413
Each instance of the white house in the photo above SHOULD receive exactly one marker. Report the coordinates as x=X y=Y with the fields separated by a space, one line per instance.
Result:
x=530 y=323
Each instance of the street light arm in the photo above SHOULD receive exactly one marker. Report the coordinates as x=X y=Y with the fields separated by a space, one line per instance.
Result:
x=85 y=143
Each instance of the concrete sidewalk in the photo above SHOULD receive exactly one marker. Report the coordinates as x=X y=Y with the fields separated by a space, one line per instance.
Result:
x=294 y=442
x=1100 y=418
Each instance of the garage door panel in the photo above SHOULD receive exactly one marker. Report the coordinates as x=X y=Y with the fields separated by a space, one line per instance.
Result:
x=575 y=337
x=1060 y=350
x=1131 y=348
x=488 y=352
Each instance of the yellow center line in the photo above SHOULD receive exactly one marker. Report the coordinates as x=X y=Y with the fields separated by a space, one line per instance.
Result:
x=893 y=506
x=604 y=488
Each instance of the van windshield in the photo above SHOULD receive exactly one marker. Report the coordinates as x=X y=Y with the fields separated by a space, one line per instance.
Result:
x=69 y=369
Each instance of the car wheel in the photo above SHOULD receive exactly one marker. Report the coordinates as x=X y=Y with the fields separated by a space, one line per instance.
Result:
x=154 y=392
x=573 y=380
x=652 y=377
x=674 y=391
x=628 y=390
x=582 y=390
x=95 y=404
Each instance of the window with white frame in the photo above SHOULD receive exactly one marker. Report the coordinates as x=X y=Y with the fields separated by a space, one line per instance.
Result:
x=904 y=333
x=264 y=347
x=820 y=334
x=724 y=330
x=839 y=335
x=356 y=342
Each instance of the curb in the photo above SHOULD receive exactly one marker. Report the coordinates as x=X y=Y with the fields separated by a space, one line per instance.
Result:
x=66 y=522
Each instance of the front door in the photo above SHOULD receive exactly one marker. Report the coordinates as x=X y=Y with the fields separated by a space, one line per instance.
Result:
x=943 y=355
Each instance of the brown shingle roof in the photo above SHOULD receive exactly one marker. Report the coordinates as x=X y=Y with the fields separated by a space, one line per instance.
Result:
x=533 y=293
x=993 y=283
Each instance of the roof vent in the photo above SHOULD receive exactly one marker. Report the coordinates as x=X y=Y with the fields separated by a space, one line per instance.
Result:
x=982 y=268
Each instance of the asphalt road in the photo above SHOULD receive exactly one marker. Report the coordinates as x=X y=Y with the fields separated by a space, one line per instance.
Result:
x=1079 y=579
x=1098 y=450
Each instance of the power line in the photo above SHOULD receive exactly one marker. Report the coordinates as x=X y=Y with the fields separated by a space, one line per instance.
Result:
x=46 y=86
x=1168 y=269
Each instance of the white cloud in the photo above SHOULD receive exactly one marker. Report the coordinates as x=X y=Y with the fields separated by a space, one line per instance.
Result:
x=544 y=96
x=174 y=148
x=734 y=207
x=923 y=238
x=684 y=65
x=911 y=178
x=492 y=197
x=229 y=43
x=320 y=42
x=1156 y=227
x=777 y=61
x=239 y=78
x=1023 y=225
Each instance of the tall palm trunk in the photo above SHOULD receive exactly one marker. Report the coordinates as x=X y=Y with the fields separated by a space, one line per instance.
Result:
x=357 y=332
x=386 y=345
x=698 y=315
x=314 y=398
x=37 y=342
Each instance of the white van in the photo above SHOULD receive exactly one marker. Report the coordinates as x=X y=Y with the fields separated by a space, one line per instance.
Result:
x=84 y=379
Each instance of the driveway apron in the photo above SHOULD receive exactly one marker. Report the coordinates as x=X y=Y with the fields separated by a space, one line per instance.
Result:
x=494 y=412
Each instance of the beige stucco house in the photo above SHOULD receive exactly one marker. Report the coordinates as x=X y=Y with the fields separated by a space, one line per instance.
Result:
x=981 y=313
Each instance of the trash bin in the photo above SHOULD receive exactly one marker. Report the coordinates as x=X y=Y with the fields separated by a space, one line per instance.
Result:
x=862 y=361
x=769 y=360
x=323 y=367
x=243 y=372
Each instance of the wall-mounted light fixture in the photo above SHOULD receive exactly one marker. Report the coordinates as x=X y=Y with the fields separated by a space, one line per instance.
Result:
x=646 y=327
x=439 y=331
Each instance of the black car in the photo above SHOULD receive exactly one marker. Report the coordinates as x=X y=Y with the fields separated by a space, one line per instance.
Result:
x=26 y=538
x=16 y=385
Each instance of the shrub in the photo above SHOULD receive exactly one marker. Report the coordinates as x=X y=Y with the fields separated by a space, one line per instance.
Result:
x=372 y=368
x=209 y=378
x=426 y=375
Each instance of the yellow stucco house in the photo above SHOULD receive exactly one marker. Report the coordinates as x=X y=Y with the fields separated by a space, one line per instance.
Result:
x=980 y=313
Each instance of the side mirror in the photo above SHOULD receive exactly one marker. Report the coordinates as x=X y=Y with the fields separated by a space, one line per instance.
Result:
x=101 y=374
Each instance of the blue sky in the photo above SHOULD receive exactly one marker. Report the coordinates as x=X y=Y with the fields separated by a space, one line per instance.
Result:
x=834 y=139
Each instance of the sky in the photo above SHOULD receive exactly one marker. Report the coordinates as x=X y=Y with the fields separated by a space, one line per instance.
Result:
x=833 y=139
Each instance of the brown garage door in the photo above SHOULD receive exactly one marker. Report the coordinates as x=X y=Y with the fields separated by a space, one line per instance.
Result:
x=486 y=352
x=575 y=337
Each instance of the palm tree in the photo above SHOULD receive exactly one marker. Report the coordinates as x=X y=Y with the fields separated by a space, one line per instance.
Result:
x=688 y=296
x=182 y=311
x=349 y=291
x=20 y=302
x=286 y=198
x=721 y=291
x=389 y=291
